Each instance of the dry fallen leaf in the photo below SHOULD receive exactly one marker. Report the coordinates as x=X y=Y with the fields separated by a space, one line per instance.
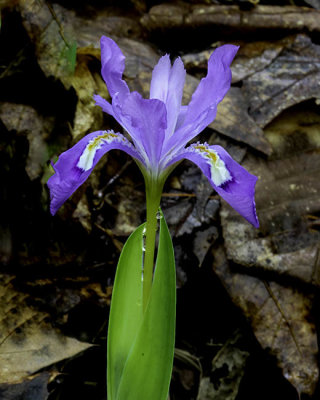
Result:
x=88 y=117
x=28 y=342
x=51 y=31
x=285 y=249
x=232 y=119
x=228 y=367
x=288 y=203
x=281 y=319
x=291 y=78
x=25 y=120
x=167 y=16
x=33 y=388
x=251 y=57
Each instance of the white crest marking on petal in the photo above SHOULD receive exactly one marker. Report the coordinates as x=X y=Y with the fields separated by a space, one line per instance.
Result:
x=86 y=159
x=218 y=170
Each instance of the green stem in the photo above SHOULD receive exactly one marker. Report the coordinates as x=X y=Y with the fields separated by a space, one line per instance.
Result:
x=153 y=196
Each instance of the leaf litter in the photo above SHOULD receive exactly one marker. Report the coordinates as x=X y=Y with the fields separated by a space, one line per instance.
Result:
x=272 y=125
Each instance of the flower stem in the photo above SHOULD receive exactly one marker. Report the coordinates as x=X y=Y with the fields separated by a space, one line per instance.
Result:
x=153 y=196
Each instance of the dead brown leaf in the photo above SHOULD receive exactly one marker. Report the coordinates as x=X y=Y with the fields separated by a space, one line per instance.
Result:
x=228 y=368
x=288 y=202
x=232 y=118
x=281 y=319
x=166 y=16
x=28 y=342
x=251 y=57
x=25 y=120
x=294 y=76
x=88 y=117
x=33 y=387
x=50 y=29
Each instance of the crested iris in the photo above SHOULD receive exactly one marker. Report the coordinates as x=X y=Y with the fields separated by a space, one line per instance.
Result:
x=160 y=129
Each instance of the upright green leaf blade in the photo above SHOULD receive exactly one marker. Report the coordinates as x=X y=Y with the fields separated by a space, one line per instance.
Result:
x=147 y=372
x=126 y=309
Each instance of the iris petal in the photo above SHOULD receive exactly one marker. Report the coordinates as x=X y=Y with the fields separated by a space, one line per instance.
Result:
x=211 y=90
x=167 y=85
x=160 y=79
x=146 y=122
x=112 y=67
x=76 y=164
x=229 y=179
x=104 y=104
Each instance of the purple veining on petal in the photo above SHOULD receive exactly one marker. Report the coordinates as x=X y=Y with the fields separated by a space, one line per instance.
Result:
x=68 y=176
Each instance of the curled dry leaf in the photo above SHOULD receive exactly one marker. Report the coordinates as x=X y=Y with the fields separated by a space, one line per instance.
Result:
x=294 y=76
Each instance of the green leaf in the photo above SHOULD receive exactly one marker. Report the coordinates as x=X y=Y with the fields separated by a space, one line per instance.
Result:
x=126 y=309
x=146 y=372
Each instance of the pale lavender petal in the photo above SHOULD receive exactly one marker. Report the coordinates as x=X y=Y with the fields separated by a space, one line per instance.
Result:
x=146 y=122
x=167 y=85
x=112 y=67
x=211 y=90
x=173 y=103
x=229 y=179
x=76 y=164
x=181 y=116
x=160 y=79
x=104 y=104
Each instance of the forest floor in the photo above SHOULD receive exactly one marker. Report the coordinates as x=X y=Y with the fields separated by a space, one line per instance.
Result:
x=247 y=299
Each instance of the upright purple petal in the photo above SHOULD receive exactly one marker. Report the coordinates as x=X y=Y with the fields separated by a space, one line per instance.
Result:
x=112 y=67
x=211 y=90
x=229 y=179
x=160 y=79
x=76 y=164
x=167 y=85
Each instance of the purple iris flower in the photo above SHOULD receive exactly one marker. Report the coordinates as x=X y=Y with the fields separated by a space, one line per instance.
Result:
x=160 y=129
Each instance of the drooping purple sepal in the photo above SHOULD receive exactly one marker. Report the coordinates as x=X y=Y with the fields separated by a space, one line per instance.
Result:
x=76 y=164
x=229 y=179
